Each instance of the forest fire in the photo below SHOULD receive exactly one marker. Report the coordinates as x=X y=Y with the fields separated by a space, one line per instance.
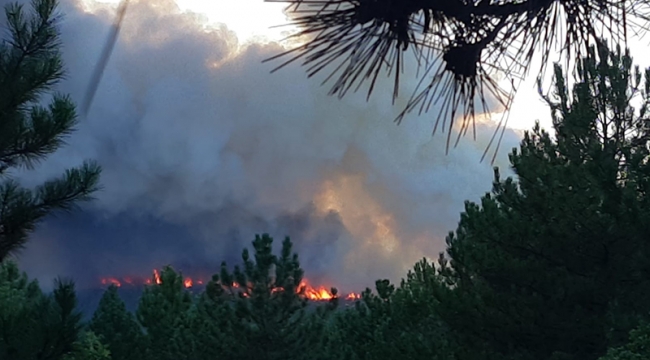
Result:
x=320 y=293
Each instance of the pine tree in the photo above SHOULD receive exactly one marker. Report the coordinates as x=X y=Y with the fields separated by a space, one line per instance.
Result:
x=212 y=324
x=30 y=65
x=165 y=313
x=117 y=327
x=394 y=322
x=34 y=325
x=89 y=347
x=638 y=347
x=554 y=264
x=456 y=46
x=415 y=330
x=19 y=300
x=271 y=320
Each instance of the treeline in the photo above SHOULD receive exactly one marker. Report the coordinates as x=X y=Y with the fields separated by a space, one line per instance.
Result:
x=268 y=318
x=553 y=264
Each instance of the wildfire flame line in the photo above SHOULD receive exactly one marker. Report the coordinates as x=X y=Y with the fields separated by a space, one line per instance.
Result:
x=319 y=293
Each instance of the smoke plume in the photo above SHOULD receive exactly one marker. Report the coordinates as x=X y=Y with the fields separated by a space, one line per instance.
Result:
x=202 y=148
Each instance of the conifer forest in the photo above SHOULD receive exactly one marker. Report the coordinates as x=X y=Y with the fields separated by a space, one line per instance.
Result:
x=552 y=264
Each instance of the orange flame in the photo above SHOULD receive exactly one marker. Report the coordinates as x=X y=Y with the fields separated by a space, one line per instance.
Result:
x=353 y=296
x=320 y=293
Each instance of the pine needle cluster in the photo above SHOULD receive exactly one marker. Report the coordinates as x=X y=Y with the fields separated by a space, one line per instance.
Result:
x=461 y=46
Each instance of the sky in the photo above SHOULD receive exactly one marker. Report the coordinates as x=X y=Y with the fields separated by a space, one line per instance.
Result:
x=202 y=148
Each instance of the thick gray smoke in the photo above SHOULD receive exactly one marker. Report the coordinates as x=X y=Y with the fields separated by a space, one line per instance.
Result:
x=202 y=148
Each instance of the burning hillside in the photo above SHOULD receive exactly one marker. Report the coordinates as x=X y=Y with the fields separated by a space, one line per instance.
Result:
x=318 y=293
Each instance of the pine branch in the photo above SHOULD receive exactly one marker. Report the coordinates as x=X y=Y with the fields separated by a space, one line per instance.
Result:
x=460 y=45
x=43 y=133
x=30 y=64
x=31 y=60
x=22 y=209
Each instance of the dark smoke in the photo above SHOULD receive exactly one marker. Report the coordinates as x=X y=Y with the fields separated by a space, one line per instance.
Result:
x=202 y=148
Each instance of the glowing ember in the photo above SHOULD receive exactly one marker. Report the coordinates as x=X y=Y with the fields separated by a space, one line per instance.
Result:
x=353 y=296
x=320 y=293
x=111 y=281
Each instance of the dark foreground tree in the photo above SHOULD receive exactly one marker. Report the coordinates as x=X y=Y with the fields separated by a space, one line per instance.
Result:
x=556 y=264
x=638 y=347
x=117 y=327
x=165 y=312
x=393 y=323
x=34 y=325
x=271 y=319
x=459 y=47
x=30 y=65
x=212 y=324
x=89 y=347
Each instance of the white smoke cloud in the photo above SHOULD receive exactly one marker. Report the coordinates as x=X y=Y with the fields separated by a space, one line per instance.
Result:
x=193 y=131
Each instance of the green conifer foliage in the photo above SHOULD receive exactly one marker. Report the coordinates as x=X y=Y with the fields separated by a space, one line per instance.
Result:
x=212 y=324
x=117 y=327
x=89 y=347
x=554 y=264
x=165 y=313
x=270 y=310
x=30 y=65
x=638 y=347
x=394 y=322
x=34 y=325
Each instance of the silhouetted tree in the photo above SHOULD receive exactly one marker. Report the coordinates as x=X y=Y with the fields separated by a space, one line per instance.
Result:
x=117 y=327
x=89 y=347
x=34 y=325
x=271 y=321
x=30 y=65
x=212 y=324
x=637 y=348
x=165 y=313
x=458 y=46
x=555 y=264
x=394 y=322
